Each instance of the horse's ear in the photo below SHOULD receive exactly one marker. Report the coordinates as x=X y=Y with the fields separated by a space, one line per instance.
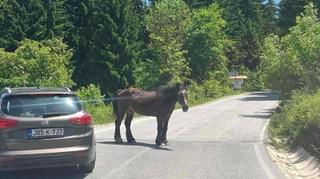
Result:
x=186 y=83
x=177 y=85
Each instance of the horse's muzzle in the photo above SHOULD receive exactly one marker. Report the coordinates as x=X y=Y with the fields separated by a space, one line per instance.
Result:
x=185 y=108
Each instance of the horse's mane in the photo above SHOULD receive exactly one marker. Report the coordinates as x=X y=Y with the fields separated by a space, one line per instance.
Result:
x=167 y=91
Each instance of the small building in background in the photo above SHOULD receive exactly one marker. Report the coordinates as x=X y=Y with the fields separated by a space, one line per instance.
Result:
x=236 y=79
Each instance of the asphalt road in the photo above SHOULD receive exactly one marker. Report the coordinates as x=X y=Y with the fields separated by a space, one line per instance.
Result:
x=222 y=139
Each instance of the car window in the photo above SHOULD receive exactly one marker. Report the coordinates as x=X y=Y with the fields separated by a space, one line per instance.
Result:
x=40 y=105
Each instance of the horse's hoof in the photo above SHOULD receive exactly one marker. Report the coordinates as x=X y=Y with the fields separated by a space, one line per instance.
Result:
x=118 y=140
x=164 y=144
x=131 y=141
x=158 y=143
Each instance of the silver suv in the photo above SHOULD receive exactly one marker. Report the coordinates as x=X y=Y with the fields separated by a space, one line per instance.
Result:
x=45 y=127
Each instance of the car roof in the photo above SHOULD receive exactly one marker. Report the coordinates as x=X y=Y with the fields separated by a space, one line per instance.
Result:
x=36 y=90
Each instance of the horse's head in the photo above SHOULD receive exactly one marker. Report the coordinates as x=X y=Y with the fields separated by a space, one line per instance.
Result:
x=182 y=97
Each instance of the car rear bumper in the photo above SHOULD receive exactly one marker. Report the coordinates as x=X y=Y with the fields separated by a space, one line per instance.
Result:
x=46 y=158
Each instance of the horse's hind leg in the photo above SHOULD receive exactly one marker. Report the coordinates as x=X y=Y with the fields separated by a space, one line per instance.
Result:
x=119 y=118
x=128 y=121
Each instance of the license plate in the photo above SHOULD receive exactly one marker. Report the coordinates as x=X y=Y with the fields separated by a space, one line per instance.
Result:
x=45 y=132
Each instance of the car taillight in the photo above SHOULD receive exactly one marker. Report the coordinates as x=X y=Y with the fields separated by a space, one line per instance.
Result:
x=7 y=123
x=84 y=119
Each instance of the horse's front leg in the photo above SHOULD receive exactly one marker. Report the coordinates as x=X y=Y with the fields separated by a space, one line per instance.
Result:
x=160 y=130
x=164 y=133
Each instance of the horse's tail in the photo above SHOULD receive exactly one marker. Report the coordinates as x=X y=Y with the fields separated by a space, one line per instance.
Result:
x=115 y=103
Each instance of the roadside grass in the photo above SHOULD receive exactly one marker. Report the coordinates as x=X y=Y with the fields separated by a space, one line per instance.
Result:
x=297 y=123
x=93 y=103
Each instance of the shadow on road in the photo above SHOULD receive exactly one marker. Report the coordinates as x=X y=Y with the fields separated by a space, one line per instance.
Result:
x=153 y=146
x=266 y=114
x=261 y=96
x=259 y=116
x=53 y=173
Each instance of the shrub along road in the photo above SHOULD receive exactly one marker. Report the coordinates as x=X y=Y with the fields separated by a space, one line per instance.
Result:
x=222 y=139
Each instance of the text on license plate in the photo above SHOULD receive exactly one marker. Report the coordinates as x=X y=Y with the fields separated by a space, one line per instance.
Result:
x=45 y=132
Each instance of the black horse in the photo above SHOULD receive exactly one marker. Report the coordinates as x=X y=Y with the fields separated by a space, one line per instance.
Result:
x=160 y=103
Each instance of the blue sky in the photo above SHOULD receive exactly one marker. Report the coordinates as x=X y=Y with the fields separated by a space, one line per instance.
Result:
x=277 y=1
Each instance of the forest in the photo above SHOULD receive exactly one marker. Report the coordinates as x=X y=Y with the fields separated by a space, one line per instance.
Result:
x=120 y=43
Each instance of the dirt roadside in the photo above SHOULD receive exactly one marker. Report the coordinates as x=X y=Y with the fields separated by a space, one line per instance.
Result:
x=295 y=164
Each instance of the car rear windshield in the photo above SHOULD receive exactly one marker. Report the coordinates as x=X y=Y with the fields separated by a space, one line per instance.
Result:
x=40 y=105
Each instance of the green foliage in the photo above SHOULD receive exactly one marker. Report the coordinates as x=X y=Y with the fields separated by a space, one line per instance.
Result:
x=209 y=90
x=289 y=10
x=270 y=17
x=12 y=70
x=36 y=64
x=12 y=25
x=246 y=26
x=206 y=43
x=32 y=19
x=291 y=65
x=92 y=100
x=298 y=122
x=292 y=62
x=105 y=36
x=254 y=81
x=56 y=21
x=167 y=23
x=215 y=89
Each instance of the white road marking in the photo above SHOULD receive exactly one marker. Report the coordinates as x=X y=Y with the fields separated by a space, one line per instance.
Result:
x=257 y=151
x=261 y=139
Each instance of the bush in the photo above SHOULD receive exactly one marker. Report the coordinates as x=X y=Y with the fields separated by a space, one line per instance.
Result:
x=298 y=122
x=209 y=90
x=93 y=103
x=292 y=62
x=35 y=63
x=196 y=94
x=254 y=82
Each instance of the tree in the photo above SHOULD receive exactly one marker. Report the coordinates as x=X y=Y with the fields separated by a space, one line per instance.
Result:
x=167 y=23
x=270 y=17
x=289 y=10
x=245 y=26
x=105 y=36
x=206 y=43
x=56 y=21
x=248 y=22
x=12 y=24
x=198 y=3
x=32 y=19
x=292 y=62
